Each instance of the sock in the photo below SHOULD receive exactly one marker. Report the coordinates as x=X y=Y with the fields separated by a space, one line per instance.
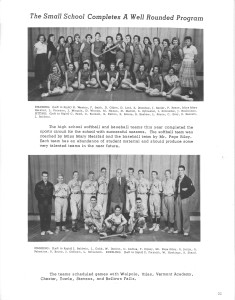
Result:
x=57 y=224
x=158 y=221
x=166 y=222
x=172 y=225
x=63 y=223
x=154 y=220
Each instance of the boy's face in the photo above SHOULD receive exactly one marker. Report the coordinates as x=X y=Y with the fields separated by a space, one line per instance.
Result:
x=141 y=68
x=44 y=177
x=70 y=67
x=119 y=173
x=154 y=175
x=130 y=173
x=117 y=211
x=91 y=176
x=93 y=202
x=60 y=179
x=102 y=66
x=138 y=203
x=75 y=175
x=112 y=67
x=167 y=175
x=141 y=175
x=85 y=67
x=181 y=172
x=187 y=42
x=103 y=173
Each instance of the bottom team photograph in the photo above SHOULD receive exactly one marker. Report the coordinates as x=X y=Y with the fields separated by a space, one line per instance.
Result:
x=133 y=198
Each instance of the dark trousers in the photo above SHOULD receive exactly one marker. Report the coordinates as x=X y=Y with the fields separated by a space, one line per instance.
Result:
x=44 y=207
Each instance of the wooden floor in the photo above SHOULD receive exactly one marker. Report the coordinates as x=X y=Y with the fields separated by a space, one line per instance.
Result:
x=83 y=236
x=98 y=94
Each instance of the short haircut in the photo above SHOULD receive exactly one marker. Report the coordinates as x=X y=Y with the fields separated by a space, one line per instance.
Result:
x=171 y=68
x=88 y=35
x=67 y=39
x=60 y=175
x=181 y=166
x=141 y=65
x=38 y=38
x=121 y=62
x=131 y=169
x=103 y=169
x=138 y=198
x=76 y=34
x=155 y=67
x=93 y=197
x=175 y=39
x=157 y=38
x=61 y=37
x=155 y=172
x=119 y=34
x=167 y=41
x=49 y=37
x=117 y=206
x=44 y=172
x=112 y=64
x=91 y=172
x=168 y=170
x=141 y=171
x=109 y=37
x=118 y=170
x=137 y=37
x=188 y=38
x=86 y=63
x=71 y=64
x=75 y=172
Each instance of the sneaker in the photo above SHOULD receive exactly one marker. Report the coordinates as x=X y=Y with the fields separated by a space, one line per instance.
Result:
x=90 y=230
x=49 y=232
x=156 y=228
x=43 y=95
x=64 y=229
x=141 y=231
x=186 y=233
x=43 y=232
x=153 y=227
x=57 y=230
x=171 y=230
x=103 y=234
x=165 y=229
x=176 y=231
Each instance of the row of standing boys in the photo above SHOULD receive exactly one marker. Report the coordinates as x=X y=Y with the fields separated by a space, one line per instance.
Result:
x=109 y=205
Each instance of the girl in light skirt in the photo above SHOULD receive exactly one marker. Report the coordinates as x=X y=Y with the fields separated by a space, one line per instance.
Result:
x=187 y=74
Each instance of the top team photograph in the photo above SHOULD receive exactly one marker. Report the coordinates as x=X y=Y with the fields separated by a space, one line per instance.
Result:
x=115 y=64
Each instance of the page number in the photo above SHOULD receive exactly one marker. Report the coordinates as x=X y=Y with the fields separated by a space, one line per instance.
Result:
x=219 y=293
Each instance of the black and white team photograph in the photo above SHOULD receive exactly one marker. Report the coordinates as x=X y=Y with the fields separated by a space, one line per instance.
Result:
x=132 y=198
x=115 y=64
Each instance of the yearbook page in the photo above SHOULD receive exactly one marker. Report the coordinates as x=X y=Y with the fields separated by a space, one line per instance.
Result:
x=117 y=150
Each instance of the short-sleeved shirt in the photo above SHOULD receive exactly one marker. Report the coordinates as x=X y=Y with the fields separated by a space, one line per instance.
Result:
x=51 y=48
x=40 y=48
x=61 y=190
x=131 y=183
x=116 y=219
x=103 y=185
x=142 y=77
x=143 y=186
x=94 y=212
x=171 y=80
x=189 y=52
x=168 y=186
x=55 y=78
x=75 y=186
x=137 y=212
x=155 y=187
x=89 y=186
